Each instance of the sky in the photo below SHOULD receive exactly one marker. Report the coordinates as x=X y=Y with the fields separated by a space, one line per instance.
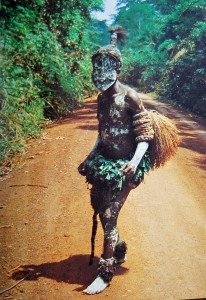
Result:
x=108 y=11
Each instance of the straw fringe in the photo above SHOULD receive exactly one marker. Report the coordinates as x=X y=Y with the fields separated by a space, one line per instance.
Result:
x=166 y=139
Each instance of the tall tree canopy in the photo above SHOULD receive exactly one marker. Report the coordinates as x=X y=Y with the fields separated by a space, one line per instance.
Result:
x=166 y=49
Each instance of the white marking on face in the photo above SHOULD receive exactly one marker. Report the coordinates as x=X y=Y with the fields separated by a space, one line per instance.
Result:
x=104 y=72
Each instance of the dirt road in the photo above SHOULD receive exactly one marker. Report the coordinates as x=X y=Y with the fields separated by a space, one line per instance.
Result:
x=46 y=219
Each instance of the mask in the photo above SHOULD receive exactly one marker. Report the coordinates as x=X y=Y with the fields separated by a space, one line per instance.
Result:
x=104 y=72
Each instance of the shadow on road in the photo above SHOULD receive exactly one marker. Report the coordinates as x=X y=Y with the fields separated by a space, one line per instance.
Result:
x=86 y=116
x=73 y=270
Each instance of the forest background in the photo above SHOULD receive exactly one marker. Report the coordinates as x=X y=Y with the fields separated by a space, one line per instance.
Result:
x=45 y=58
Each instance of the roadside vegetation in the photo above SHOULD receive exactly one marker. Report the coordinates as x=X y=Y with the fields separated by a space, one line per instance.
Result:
x=165 y=51
x=45 y=66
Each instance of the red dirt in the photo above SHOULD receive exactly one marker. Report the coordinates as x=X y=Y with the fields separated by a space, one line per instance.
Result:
x=46 y=219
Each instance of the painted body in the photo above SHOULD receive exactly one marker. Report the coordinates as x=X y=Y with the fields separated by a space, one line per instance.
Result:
x=117 y=104
x=115 y=126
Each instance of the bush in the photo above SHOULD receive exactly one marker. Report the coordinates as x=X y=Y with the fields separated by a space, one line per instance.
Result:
x=45 y=65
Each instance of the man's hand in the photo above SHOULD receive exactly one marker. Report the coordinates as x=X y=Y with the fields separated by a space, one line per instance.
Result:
x=82 y=168
x=129 y=169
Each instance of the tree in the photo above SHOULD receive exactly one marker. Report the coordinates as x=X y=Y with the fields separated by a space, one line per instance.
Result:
x=45 y=63
x=166 y=47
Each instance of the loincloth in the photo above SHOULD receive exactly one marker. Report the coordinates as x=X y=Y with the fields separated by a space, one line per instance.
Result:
x=108 y=181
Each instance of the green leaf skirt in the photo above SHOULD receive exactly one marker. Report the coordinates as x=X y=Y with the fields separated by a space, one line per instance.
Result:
x=107 y=171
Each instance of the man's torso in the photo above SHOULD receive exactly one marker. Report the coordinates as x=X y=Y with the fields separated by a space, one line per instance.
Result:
x=115 y=126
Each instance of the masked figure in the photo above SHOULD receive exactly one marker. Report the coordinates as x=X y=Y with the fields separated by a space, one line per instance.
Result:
x=130 y=142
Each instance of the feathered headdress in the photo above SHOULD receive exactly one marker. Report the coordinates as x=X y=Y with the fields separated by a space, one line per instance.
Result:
x=116 y=34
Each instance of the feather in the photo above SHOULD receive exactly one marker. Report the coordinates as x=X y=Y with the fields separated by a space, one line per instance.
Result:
x=119 y=30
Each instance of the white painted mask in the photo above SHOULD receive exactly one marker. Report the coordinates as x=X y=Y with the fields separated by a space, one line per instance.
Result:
x=104 y=72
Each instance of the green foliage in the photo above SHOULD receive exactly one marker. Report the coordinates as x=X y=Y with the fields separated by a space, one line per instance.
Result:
x=185 y=78
x=108 y=171
x=141 y=63
x=45 y=48
x=166 y=48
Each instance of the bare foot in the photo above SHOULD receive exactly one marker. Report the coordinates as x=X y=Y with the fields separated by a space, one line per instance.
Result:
x=96 y=287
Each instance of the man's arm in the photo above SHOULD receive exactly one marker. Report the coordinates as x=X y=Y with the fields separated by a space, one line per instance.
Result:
x=134 y=102
x=142 y=128
x=130 y=168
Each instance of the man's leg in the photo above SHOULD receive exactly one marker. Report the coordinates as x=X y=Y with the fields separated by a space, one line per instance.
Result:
x=107 y=262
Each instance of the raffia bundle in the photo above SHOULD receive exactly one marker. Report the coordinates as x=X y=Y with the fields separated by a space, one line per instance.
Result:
x=165 y=141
